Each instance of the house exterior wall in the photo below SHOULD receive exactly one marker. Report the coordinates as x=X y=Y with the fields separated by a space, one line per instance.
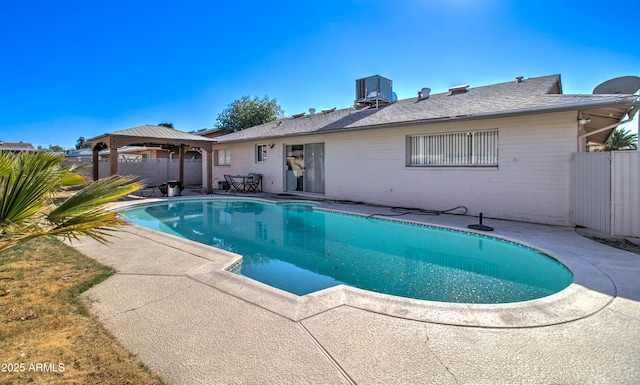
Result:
x=531 y=183
x=155 y=154
x=243 y=162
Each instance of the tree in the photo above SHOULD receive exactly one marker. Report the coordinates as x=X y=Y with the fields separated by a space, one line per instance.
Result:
x=621 y=139
x=82 y=143
x=167 y=124
x=56 y=148
x=31 y=184
x=246 y=112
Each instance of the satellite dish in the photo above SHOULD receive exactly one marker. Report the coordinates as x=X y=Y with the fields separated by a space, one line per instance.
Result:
x=622 y=85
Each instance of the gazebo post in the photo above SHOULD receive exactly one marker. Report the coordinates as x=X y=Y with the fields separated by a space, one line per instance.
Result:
x=208 y=187
x=95 y=151
x=181 y=151
x=113 y=160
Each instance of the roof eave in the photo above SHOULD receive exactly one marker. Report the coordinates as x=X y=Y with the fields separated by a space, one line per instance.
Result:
x=97 y=137
x=632 y=100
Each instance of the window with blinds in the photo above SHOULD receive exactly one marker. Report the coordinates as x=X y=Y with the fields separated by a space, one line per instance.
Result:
x=223 y=157
x=478 y=148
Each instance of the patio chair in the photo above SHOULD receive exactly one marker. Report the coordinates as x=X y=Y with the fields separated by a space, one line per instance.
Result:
x=234 y=186
x=254 y=183
x=147 y=184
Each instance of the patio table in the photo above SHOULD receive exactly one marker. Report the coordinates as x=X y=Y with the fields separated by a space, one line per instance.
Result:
x=244 y=181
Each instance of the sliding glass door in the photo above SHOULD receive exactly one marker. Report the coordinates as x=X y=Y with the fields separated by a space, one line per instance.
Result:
x=305 y=168
x=294 y=178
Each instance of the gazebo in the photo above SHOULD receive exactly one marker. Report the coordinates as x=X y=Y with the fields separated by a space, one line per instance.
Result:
x=162 y=136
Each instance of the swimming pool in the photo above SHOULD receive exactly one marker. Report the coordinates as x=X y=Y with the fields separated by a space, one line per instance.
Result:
x=300 y=249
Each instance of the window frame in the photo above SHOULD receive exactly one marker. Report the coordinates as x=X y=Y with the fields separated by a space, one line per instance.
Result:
x=479 y=148
x=227 y=157
x=261 y=153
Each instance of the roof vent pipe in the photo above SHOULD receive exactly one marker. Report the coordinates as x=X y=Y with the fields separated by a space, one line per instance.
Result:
x=458 y=89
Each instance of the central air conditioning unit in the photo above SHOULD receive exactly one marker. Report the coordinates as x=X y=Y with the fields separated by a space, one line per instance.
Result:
x=374 y=90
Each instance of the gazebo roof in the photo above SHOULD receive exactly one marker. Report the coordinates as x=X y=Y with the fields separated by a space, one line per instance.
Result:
x=151 y=135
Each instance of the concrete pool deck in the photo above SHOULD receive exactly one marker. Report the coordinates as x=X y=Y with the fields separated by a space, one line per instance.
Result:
x=170 y=304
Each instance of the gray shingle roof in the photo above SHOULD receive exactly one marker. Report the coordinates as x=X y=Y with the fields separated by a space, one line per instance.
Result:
x=8 y=146
x=511 y=98
x=157 y=132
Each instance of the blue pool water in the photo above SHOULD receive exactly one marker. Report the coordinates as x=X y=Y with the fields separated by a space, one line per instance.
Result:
x=301 y=250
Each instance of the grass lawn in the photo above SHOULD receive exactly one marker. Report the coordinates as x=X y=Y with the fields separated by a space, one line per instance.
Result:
x=47 y=335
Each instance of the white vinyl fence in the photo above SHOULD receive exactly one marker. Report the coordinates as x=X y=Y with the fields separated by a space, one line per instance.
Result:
x=157 y=171
x=607 y=192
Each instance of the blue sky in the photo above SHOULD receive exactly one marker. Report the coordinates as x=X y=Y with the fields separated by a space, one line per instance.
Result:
x=84 y=68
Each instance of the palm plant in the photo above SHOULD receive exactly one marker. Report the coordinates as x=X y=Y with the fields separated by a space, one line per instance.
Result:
x=30 y=185
x=621 y=139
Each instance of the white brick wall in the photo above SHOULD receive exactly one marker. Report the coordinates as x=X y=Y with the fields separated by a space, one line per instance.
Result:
x=243 y=161
x=532 y=182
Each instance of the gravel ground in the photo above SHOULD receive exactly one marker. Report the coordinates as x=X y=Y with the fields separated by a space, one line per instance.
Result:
x=619 y=244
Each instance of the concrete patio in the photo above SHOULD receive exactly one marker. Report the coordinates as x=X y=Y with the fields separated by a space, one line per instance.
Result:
x=192 y=323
